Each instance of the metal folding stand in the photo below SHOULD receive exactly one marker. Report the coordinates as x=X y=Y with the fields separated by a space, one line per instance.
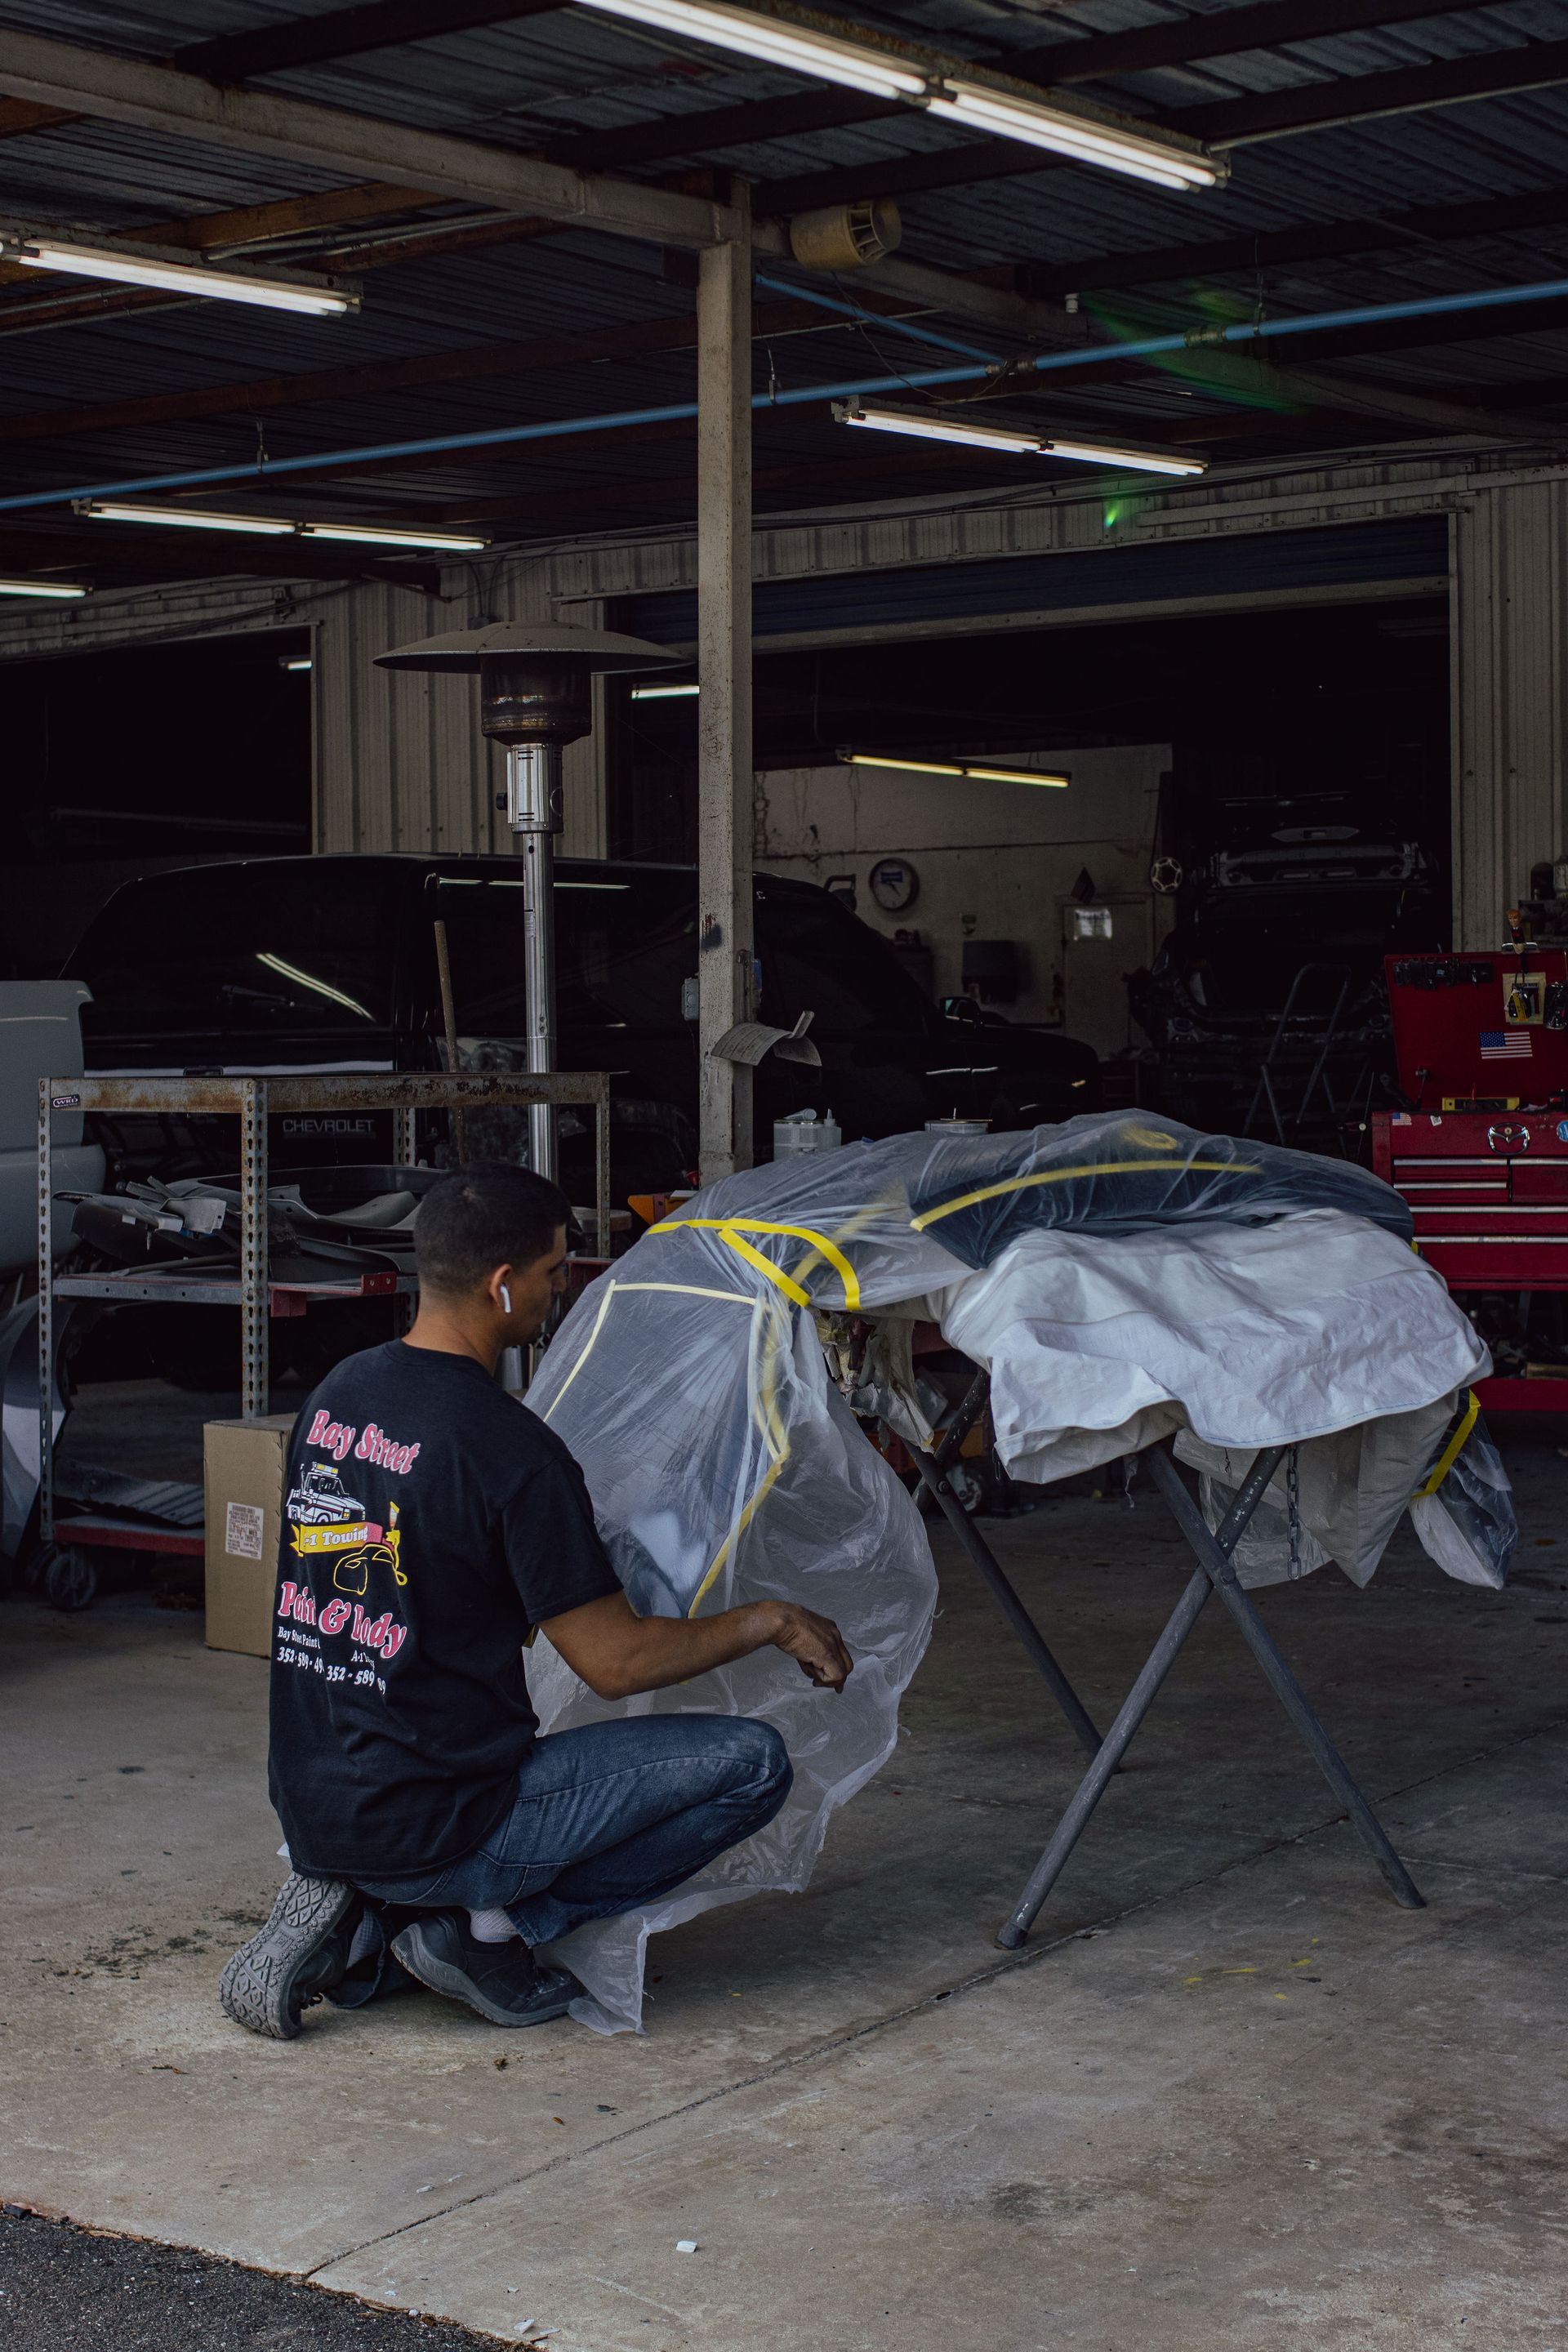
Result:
x=1214 y=1548
x=933 y=1469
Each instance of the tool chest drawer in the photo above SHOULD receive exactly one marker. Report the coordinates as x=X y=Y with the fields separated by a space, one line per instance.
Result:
x=1487 y=1192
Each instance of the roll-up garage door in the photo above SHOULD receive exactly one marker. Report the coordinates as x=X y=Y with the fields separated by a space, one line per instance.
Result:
x=1345 y=564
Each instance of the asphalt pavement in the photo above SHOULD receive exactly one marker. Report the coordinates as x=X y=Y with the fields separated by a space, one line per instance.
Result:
x=62 y=2288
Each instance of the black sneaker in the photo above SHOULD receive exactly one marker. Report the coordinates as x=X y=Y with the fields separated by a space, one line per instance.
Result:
x=500 y=1981
x=302 y=1950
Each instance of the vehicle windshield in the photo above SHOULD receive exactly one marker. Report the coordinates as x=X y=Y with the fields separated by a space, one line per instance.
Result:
x=622 y=947
x=256 y=949
x=818 y=959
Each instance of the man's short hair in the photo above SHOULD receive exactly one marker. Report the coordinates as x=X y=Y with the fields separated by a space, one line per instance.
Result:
x=484 y=1215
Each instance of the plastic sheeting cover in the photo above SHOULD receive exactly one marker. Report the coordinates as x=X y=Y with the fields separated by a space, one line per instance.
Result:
x=689 y=1383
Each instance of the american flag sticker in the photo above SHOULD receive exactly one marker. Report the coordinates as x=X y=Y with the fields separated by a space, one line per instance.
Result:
x=1505 y=1046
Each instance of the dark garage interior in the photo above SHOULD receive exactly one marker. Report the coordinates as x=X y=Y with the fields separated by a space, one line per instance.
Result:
x=783 y=1173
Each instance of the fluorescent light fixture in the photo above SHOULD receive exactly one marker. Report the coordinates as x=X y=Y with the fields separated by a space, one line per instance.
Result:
x=934 y=425
x=663 y=693
x=952 y=768
x=375 y=535
x=1064 y=132
x=295 y=661
x=306 y=980
x=276 y=527
x=583 y=886
x=775 y=41
x=937 y=424
x=1137 y=461
x=182 y=518
x=802 y=44
x=57 y=588
x=129 y=265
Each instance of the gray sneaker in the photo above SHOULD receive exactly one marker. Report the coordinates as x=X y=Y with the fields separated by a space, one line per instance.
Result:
x=503 y=1982
x=300 y=1953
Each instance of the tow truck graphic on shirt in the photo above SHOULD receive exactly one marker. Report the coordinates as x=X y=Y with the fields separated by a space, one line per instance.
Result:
x=321 y=1499
x=324 y=1517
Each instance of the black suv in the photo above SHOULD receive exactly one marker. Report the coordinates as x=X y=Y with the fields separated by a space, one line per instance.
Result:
x=290 y=963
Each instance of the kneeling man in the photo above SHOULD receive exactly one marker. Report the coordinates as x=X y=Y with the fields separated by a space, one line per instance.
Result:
x=432 y=1528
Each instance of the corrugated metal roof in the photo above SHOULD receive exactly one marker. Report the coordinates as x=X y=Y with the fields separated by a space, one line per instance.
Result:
x=524 y=83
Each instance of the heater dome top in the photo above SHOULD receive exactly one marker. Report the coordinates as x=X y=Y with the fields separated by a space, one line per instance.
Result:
x=593 y=650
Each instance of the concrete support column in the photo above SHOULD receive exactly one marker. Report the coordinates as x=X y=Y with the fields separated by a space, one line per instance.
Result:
x=724 y=767
x=584 y=765
x=1509 y=689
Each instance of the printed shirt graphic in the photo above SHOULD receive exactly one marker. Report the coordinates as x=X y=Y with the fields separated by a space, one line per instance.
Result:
x=430 y=1524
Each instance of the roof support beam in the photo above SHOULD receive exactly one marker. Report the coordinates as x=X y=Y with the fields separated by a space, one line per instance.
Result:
x=289 y=217
x=305 y=41
x=1227 y=33
x=1229 y=123
x=345 y=33
x=125 y=89
x=314 y=387
x=159 y=98
x=1320 y=241
x=1059 y=65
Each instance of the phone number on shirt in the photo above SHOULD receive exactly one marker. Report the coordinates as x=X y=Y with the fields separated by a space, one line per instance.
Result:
x=364 y=1680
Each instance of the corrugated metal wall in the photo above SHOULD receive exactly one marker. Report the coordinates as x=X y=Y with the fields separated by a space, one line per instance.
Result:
x=400 y=762
x=1511 y=692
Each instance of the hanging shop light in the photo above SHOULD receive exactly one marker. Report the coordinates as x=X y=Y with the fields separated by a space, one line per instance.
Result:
x=182 y=518
x=775 y=41
x=1137 y=461
x=952 y=768
x=938 y=424
x=374 y=535
x=664 y=693
x=278 y=527
x=778 y=35
x=131 y=265
x=57 y=588
x=932 y=425
x=1080 y=139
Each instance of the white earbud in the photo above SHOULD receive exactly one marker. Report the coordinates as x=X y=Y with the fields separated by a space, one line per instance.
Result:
x=505 y=1299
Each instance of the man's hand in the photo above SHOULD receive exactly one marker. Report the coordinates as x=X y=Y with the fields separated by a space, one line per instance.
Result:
x=814 y=1643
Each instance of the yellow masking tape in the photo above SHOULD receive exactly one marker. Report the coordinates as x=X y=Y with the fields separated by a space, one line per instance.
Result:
x=727 y=1227
x=1454 y=1448
x=774 y=1436
x=1105 y=1168
x=787 y=1283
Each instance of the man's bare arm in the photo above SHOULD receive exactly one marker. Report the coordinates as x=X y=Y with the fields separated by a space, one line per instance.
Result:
x=618 y=1654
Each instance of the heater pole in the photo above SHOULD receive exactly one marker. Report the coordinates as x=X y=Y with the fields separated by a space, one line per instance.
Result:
x=725 y=784
x=533 y=811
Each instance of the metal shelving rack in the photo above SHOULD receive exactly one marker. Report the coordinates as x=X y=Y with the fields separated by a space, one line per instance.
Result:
x=253 y=1101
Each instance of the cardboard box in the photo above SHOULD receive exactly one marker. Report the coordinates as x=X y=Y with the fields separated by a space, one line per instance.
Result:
x=245 y=1463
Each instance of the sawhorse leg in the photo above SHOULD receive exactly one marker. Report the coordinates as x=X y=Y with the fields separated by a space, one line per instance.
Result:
x=933 y=1469
x=1214 y=1572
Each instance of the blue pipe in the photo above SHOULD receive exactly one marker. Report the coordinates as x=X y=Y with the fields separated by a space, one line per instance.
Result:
x=1056 y=363
x=874 y=319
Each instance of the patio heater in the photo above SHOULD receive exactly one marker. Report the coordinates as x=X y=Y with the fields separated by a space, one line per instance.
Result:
x=535 y=681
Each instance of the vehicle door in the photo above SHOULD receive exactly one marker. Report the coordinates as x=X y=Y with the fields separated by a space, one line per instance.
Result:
x=871 y=1025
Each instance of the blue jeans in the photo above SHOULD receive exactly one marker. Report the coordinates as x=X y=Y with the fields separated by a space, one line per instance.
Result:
x=610 y=1816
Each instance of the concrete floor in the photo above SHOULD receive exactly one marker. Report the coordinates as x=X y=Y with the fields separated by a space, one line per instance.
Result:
x=1230 y=2099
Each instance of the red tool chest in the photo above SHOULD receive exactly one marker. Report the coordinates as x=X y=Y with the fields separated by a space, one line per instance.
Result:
x=1486 y=1022
x=1488 y=1193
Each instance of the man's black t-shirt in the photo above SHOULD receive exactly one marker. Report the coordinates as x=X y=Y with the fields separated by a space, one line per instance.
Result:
x=430 y=1523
